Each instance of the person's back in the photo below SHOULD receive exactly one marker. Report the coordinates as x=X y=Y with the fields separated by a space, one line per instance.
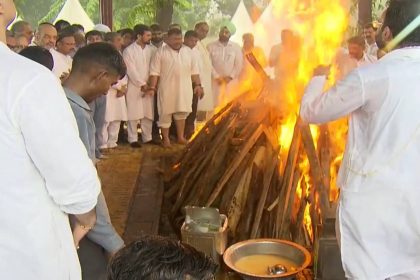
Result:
x=378 y=217
x=35 y=193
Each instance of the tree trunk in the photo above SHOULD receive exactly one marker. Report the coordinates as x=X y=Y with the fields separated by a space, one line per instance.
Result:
x=164 y=12
x=365 y=12
x=106 y=12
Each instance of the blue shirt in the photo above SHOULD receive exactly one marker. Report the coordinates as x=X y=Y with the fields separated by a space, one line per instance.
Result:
x=85 y=123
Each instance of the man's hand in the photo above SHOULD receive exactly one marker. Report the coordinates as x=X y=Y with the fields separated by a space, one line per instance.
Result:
x=322 y=70
x=198 y=90
x=219 y=81
x=227 y=79
x=79 y=231
x=144 y=88
x=64 y=76
x=149 y=92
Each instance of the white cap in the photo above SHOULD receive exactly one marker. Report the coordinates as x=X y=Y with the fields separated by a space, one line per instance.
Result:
x=102 y=28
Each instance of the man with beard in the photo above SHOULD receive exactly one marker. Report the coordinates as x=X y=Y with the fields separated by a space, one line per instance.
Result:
x=137 y=57
x=377 y=219
x=176 y=69
x=157 y=35
x=45 y=36
x=227 y=61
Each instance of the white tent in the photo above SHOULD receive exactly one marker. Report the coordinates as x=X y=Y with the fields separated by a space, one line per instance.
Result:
x=73 y=12
x=268 y=28
x=242 y=22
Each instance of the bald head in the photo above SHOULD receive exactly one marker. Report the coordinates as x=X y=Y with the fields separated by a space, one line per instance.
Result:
x=46 y=35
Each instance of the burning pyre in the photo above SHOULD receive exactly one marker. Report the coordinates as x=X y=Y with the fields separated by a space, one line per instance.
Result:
x=271 y=174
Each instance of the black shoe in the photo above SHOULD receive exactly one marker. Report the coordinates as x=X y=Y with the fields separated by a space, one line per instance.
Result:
x=135 y=145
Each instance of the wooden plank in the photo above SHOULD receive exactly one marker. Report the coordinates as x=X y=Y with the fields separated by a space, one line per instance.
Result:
x=271 y=168
x=286 y=185
x=235 y=164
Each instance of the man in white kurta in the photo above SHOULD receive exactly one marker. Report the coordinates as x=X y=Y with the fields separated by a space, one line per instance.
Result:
x=177 y=71
x=45 y=170
x=227 y=60
x=378 y=216
x=369 y=33
x=205 y=67
x=137 y=57
x=66 y=45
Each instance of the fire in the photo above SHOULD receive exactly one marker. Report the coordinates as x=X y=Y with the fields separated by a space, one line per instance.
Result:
x=319 y=27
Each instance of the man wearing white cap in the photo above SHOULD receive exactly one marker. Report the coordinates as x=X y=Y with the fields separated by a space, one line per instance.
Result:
x=227 y=60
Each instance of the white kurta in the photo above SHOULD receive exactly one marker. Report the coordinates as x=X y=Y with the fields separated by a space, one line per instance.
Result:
x=116 y=107
x=205 y=68
x=227 y=61
x=175 y=69
x=138 y=61
x=379 y=206
x=45 y=173
x=372 y=51
x=62 y=63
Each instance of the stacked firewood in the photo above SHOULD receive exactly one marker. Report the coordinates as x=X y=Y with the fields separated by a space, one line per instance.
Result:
x=234 y=164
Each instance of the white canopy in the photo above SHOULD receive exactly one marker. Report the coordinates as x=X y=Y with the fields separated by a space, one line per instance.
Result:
x=242 y=22
x=268 y=27
x=73 y=12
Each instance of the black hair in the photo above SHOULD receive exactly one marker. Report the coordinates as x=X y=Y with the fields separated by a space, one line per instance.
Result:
x=38 y=54
x=61 y=24
x=174 y=31
x=199 y=24
x=400 y=14
x=126 y=31
x=155 y=27
x=140 y=29
x=94 y=33
x=18 y=26
x=191 y=33
x=174 y=26
x=102 y=54
x=110 y=36
x=66 y=32
x=79 y=27
x=357 y=40
x=158 y=258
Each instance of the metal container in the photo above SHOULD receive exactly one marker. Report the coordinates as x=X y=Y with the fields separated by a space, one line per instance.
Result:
x=204 y=232
x=287 y=250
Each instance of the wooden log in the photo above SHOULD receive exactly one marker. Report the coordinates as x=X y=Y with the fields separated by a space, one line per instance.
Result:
x=196 y=165
x=325 y=155
x=296 y=227
x=268 y=175
x=285 y=232
x=235 y=164
x=287 y=179
x=189 y=182
x=239 y=200
x=316 y=170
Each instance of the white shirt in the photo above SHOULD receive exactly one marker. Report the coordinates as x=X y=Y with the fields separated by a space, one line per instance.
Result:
x=227 y=60
x=372 y=50
x=205 y=68
x=116 y=107
x=175 y=69
x=379 y=206
x=138 y=61
x=45 y=173
x=62 y=63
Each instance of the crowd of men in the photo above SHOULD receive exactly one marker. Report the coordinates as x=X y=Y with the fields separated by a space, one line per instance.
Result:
x=171 y=78
x=53 y=127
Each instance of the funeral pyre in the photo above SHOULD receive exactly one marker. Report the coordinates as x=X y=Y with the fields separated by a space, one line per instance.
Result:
x=270 y=173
